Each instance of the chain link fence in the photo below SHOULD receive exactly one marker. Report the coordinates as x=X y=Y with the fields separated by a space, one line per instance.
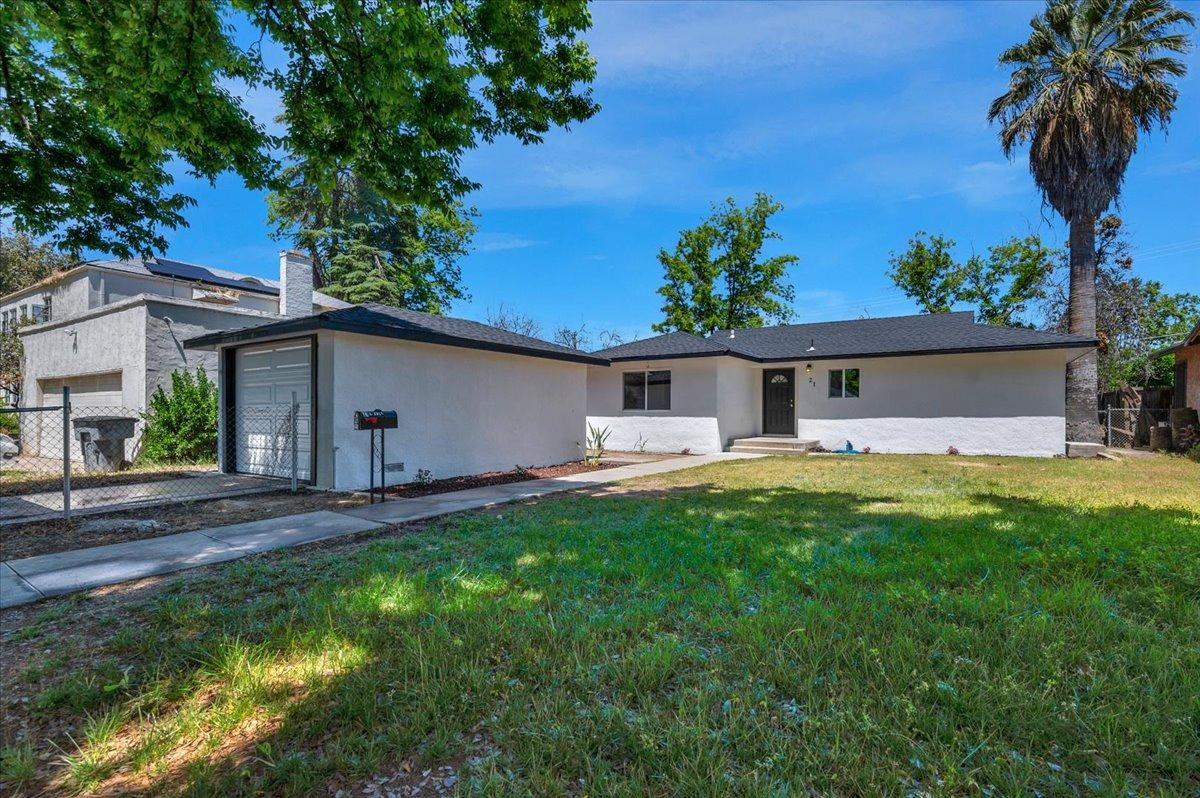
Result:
x=1129 y=427
x=67 y=458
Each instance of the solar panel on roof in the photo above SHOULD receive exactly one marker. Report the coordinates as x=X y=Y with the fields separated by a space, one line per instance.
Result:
x=186 y=271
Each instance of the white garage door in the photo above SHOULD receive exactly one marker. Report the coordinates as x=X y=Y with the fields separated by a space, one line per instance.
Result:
x=266 y=377
x=91 y=395
x=87 y=391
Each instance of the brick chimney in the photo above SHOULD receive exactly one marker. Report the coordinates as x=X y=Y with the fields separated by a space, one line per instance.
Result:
x=296 y=284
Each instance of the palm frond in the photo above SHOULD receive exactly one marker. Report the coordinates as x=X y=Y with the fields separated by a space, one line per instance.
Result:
x=1090 y=77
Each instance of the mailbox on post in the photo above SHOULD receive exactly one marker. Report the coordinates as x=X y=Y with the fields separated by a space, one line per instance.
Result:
x=377 y=420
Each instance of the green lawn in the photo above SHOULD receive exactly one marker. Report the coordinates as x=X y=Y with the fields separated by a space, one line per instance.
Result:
x=807 y=626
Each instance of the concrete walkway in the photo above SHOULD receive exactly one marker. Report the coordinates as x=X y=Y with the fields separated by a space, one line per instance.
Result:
x=33 y=578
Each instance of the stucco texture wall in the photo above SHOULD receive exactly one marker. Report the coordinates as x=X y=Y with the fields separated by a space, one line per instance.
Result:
x=114 y=342
x=168 y=326
x=996 y=403
x=462 y=411
x=1191 y=391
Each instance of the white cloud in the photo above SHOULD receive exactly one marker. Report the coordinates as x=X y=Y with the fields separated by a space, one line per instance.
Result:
x=498 y=242
x=987 y=182
x=697 y=42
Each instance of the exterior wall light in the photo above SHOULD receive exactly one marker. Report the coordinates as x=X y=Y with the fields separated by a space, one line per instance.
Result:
x=808 y=368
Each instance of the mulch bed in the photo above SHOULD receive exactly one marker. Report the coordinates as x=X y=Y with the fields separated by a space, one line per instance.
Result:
x=412 y=489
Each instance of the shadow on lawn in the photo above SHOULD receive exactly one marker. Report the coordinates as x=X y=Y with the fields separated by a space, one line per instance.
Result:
x=546 y=626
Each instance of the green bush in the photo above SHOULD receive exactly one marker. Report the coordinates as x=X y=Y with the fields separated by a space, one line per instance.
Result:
x=9 y=424
x=181 y=427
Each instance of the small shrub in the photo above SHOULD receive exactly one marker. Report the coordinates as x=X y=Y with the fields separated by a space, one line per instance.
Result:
x=640 y=445
x=1188 y=439
x=9 y=424
x=952 y=450
x=424 y=477
x=181 y=427
x=594 y=448
x=1193 y=454
x=685 y=451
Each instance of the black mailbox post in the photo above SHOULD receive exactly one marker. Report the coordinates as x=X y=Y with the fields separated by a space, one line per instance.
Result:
x=376 y=420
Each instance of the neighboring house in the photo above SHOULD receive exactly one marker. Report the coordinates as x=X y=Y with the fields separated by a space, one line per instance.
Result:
x=112 y=330
x=474 y=398
x=904 y=384
x=1187 y=369
x=471 y=398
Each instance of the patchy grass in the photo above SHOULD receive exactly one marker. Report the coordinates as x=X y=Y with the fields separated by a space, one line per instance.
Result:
x=786 y=626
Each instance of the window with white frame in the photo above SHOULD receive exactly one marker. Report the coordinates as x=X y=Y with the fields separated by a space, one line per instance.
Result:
x=647 y=390
x=843 y=383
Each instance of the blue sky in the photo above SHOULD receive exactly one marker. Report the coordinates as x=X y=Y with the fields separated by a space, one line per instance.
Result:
x=867 y=121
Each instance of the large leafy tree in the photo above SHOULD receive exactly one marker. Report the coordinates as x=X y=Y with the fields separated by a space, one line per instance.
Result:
x=1093 y=75
x=101 y=98
x=1002 y=286
x=368 y=248
x=717 y=277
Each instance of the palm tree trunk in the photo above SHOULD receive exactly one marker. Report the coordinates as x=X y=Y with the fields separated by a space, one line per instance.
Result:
x=1082 y=380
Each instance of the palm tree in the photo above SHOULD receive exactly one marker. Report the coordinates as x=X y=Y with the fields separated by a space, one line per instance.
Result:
x=1092 y=75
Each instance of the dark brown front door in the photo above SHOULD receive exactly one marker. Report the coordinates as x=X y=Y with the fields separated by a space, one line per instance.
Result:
x=779 y=402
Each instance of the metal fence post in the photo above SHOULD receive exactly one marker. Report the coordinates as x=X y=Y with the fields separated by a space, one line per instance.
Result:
x=295 y=442
x=66 y=434
x=1108 y=426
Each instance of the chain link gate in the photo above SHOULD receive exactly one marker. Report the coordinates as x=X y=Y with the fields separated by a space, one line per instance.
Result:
x=69 y=458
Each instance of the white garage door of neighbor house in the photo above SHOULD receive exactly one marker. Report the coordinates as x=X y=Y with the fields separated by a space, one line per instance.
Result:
x=265 y=379
x=99 y=391
x=91 y=395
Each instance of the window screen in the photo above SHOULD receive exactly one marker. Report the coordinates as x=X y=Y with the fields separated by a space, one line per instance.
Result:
x=835 y=383
x=635 y=390
x=658 y=390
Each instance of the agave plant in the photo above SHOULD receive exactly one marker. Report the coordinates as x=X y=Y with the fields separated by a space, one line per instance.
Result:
x=1093 y=75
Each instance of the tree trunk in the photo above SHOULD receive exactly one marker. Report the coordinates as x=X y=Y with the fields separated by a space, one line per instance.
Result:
x=1082 y=380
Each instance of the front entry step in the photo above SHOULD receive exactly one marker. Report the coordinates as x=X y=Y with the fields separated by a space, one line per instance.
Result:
x=770 y=445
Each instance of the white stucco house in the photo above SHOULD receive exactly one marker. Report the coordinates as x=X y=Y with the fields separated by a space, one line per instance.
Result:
x=113 y=330
x=473 y=398
x=914 y=384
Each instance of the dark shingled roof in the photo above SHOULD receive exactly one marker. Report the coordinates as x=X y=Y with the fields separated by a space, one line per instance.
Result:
x=675 y=344
x=408 y=325
x=924 y=334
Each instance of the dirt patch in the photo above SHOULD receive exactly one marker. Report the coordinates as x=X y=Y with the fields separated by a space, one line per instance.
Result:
x=496 y=478
x=52 y=535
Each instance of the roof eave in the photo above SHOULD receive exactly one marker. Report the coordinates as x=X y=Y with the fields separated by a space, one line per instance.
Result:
x=322 y=322
x=683 y=356
x=965 y=350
